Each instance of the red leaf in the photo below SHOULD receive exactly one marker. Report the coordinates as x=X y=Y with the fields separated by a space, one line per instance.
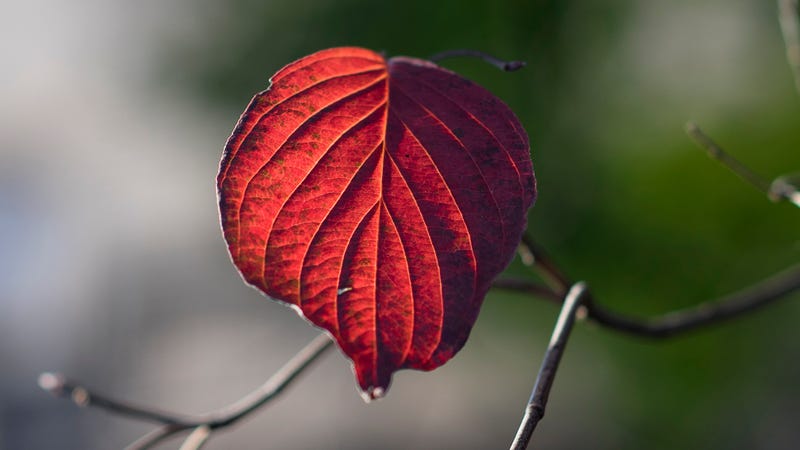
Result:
x=380 y=199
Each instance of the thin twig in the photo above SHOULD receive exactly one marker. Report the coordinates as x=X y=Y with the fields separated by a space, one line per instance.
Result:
x=789 y=16
x=506 y=66
x=172 y=423
x=60 y=386
x=534 y=411
x=197 y=438
x=783 y=188
x=154 y=437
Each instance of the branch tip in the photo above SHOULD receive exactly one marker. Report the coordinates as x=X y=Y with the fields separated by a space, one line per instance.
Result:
x=785 y=188
x=511 y=66
x=53 y=383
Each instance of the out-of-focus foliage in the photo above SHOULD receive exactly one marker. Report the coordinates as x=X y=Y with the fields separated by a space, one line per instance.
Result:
x=626 y=203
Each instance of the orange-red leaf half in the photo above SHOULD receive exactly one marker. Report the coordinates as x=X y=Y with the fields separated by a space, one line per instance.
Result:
x=378 y=197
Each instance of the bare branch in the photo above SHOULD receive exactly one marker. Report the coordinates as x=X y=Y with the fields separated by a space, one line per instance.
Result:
x=534 y=411
x=754 y=297
x=677 y=322
x=173 y=423
x=506 y=66
x=789 y=17
x=786 y=187
x=707 y=313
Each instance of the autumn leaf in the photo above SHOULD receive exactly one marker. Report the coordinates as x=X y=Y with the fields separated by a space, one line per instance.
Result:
x=379 y=198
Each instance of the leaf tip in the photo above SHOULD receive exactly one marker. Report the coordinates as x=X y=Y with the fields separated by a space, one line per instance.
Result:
x=373 y=393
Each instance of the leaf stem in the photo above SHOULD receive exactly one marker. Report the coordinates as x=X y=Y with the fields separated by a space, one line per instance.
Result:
x=707 y=313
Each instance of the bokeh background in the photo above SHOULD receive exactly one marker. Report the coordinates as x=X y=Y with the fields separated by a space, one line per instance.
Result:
x=113 y=270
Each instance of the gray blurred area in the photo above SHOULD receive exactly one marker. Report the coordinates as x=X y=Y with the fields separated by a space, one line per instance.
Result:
x=113 y=270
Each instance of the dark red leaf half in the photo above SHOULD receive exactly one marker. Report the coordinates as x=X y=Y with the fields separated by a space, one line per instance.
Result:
x=380 y=199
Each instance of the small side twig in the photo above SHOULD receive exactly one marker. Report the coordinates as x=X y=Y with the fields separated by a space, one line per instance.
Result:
x=781 y=188
x=203 y=425
x=534 y=411
x=506 y=66
x=789 y=17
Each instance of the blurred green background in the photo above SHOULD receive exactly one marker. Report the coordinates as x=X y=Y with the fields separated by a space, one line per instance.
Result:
x=112 y=267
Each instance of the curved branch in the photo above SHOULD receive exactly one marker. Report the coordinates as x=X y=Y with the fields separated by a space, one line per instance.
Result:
x=203 y=425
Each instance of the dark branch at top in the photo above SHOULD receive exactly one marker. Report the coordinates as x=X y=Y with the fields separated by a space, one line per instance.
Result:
x=506 y=66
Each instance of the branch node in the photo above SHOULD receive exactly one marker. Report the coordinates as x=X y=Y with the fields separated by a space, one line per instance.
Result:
x=81 y=397
x=785 y=188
